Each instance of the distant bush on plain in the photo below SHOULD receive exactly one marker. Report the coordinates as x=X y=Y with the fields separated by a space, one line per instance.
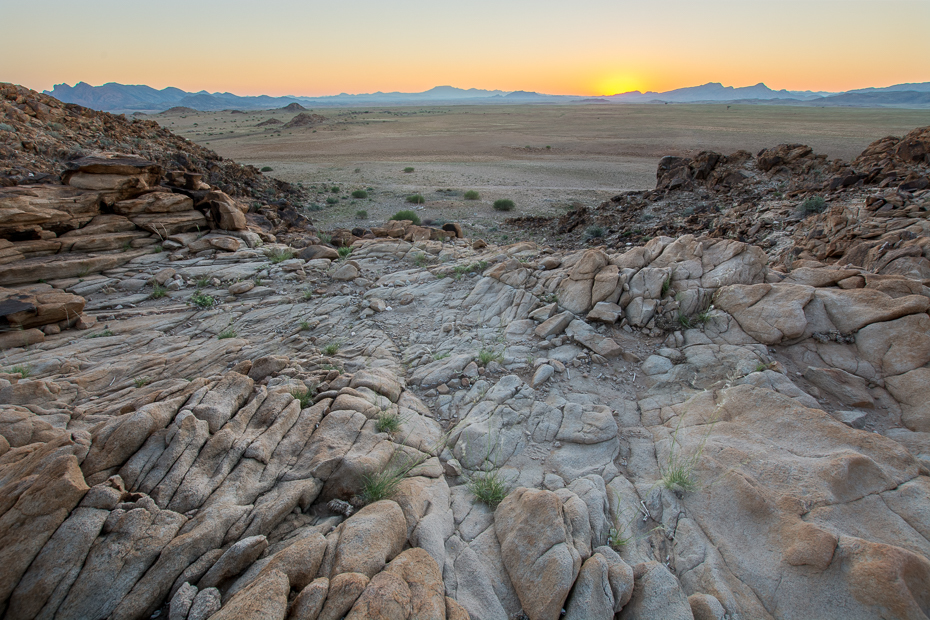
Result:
x=504 y=204
x=407 y=215
x=472 y=195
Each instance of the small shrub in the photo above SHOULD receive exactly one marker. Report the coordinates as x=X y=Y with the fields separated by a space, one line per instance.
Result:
x=488 y=487
x=279 y=256
x=504 y=204
x=159 y=249
x=331 y=349
x=813 y=204
x=332 y=200
x=486 y=356
x=158 y=291
x=359 y=193
x=594 y=232
x=266 y=168
x=104 y=334
x=361 y=214
x=406 y=215
x=24 y=370
x=471 y=195
x=229 y=332
x=141 y=381
x=334 y=189
x=666 y=285
x=304 y=326
x=202 y=282
x=307 y=295
x=416 y=199
x=617 y=540
x=344 y=252
x=383 y=483
x=202 y=300
x=325 y=238
x=408 y=169
x=305 y=397
x=388 y=422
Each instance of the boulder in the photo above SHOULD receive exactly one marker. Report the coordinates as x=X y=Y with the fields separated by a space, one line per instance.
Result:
x=851 y=310
x=370 y=538
x=657 y=594
x=263 y=599
x=537 y=550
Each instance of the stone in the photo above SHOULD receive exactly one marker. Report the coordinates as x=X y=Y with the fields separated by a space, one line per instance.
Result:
x=851 y=310
x=154 y=202
x=24 y=338
x=241 y=287
x=267 y=366
x=315 y=252
x=181 y=602
x=263 y=599
x=657 y=594
x=584 y=334
x=344 y=590
x=555 y=325
x=387 y=597
x=537 y=550
x=225 y=212
x=424 y=580
x=769 y=313
x=706 y=607
x=542 y=374
x=912 y=390
x=896 y=346
x=592 y=597
x=207 y=603
x=850 y=390
x=226 y=397
x=345 y=273
x=233 y=561
x=605 y=312
x=370 y=538
x=309 y=603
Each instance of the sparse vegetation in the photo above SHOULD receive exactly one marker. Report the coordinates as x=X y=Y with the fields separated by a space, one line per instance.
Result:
x=594 y=232
x=332 y=200
x=359 y=193
x=266 y=169
x=202 y=282
x=678 y=472
x=666 y=285
x=488 y=487
x=812 y=205
x=229 y=332
x=416 y=199
x=141 y=381
x=471 y=195
x=201 y=299
x=304 y=326
x=307 y=295
x=361 y=214
x=504 y=204
x=408 y=169
x=334 y=189
x=383 y=483
x=279 y=255
x=158 y=291
x=344 y=252
x=102 y=334
x=24 y=370
x=305 y=397
x=388 y=422
x=331 y=348
x=486 y=356
x=407 y=215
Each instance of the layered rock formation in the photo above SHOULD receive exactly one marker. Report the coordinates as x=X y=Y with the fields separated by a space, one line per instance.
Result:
x=433 y=427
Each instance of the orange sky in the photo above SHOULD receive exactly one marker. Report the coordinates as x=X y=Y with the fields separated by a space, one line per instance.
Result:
x=584 y=47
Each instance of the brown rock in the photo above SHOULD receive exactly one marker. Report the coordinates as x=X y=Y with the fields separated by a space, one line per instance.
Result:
x=154 y=202
x=11 y=340
x=387 y=597
x=344 y=590
x=263 y=599
x=309 y=603
x=424 y=579
x=370 y=538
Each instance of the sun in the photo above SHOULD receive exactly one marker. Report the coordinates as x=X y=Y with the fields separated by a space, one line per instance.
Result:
x=614 y=84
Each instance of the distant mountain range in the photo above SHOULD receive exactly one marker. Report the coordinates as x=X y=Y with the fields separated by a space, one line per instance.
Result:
x=114 y=97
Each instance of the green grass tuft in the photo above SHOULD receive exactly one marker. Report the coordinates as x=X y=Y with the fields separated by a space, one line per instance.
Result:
x=488 y=487
x=229 y=332
x=158 y=291
x=305 y=397
x=388 y=422
x=812 y=205
x=361 y=214
x=486 y=356
x=406 y=215
x=471 y=195
x=416 y=199
x=504 y=204
x=408 y=169
x=359 y=193
x=330 y=349
x=24 y=370
x=344 y=252
x=202 y=300
x=141 y=381
x=279 y=256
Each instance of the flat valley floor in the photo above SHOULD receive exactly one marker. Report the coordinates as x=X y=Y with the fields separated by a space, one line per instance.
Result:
x=547 y=159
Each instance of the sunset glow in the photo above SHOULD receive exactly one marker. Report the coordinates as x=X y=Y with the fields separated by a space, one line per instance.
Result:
x=591 y=47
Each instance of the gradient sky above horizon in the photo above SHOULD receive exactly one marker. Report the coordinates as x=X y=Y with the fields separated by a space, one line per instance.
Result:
x=580 y=47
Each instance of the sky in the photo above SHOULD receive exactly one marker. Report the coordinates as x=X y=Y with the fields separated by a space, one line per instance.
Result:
x=578 y=47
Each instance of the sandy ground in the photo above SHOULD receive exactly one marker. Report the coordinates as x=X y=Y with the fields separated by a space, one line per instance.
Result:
x=544 y=158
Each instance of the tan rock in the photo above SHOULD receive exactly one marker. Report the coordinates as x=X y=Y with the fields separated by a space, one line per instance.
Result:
x=24 y=338
x=912 y=390
x=898 y=346
x=851 y=310
x=454 y=611
x=344 y=590
x=309 y=603
x=167 y=224
x=424 y=579
x=387 y=597
x=537 y=551
x=769 y=313
x=263 y=599
x=849 y=389
x=370 y=538
x=154 y=202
